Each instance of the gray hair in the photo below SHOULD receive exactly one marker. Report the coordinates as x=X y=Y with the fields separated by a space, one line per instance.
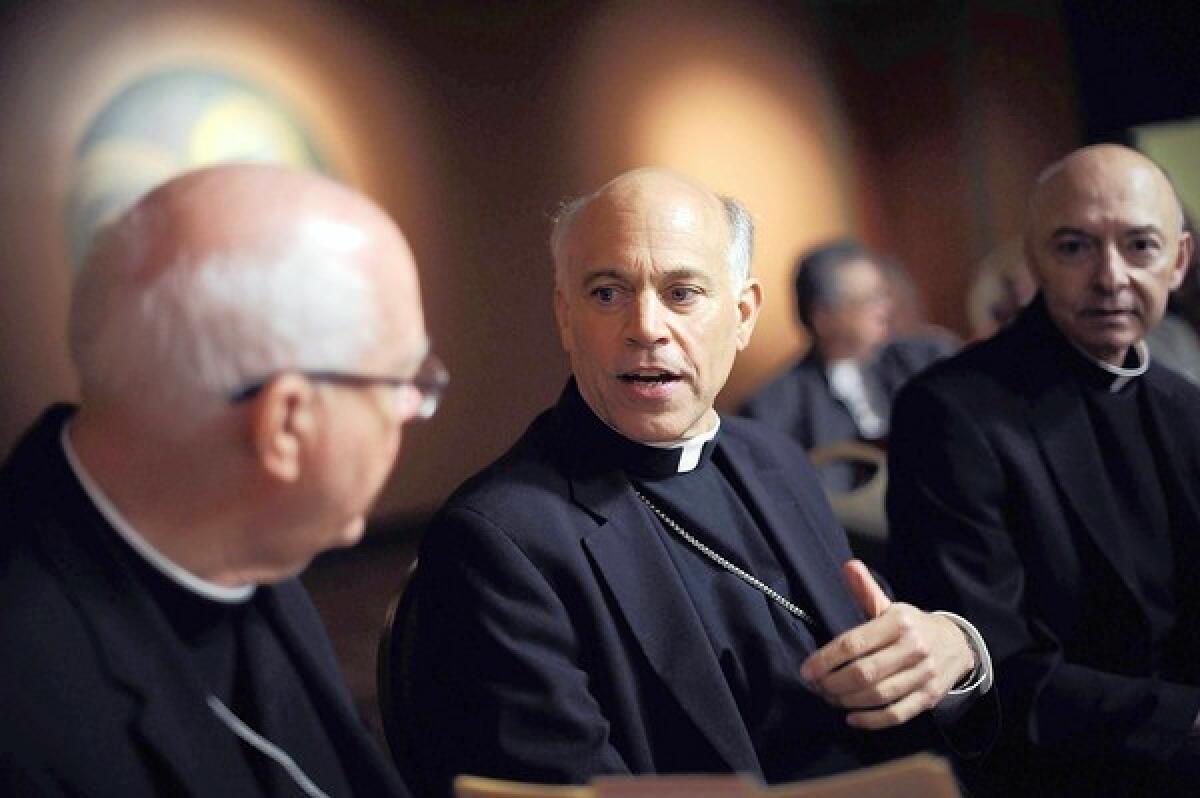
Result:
x=178 y=339
x=741 y=236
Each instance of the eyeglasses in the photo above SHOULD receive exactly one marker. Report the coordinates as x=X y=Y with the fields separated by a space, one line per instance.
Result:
x=414 y=397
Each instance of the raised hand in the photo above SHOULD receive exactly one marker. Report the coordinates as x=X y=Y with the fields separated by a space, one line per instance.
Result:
x=892 y=667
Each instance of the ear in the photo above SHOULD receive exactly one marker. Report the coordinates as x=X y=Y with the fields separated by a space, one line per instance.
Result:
x=1182 y=259
x=562 y=315
x=750 y=301
x=283 y=426
x=819 y=316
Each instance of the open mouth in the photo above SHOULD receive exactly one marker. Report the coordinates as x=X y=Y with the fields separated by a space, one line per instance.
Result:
x=648 y=377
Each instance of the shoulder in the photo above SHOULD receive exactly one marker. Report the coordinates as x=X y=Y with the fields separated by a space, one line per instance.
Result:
x=511 y=506
x=529 y=474
x=995 y=365
x=783 y=394
x=791 y=379
x=40 y=621
x=1172 y=382
x=54 y=684
x=762 y=446
x=904 y=357
x=759 y=437
x=1176 y=391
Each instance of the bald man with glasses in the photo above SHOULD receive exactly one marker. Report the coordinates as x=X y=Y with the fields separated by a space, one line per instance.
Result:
x=250 y=344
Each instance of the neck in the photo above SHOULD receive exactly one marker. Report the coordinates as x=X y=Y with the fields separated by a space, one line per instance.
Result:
x=182 y=505
x=834 y=350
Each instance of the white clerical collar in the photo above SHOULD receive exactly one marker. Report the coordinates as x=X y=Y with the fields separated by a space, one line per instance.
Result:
x=692 y=448
x=847 y=384
x=176 y=573
x=1122 y=374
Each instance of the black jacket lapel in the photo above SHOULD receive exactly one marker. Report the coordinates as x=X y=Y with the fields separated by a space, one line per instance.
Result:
x=631 y=560
x=771 y=497
x=291 y=614
x=1059 y=419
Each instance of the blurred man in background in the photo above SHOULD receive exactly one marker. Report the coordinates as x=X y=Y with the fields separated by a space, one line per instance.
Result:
x=1175 y=342
x=842 y=389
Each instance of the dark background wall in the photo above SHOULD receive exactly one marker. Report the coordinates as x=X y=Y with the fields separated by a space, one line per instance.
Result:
x=917 y=126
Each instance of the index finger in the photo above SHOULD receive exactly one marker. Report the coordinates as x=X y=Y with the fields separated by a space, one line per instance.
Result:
x=850 y=645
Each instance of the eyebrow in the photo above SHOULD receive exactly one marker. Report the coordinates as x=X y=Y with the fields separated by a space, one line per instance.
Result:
x=1141 y=229
x=597 y=274
x=670 y=274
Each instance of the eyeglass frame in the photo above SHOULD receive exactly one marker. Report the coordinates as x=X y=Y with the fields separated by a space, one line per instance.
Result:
x=429 y=386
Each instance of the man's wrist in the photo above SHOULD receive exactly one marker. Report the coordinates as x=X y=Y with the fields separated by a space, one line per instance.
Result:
x=979 y=678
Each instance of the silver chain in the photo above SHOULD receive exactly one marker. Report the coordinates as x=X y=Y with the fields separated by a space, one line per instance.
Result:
x=745 y=576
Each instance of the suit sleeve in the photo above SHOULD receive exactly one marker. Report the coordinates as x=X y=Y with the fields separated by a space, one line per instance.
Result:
x=950 y=514
x=495 y=686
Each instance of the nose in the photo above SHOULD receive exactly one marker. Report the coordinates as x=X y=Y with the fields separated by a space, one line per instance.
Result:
x=646 y=322
x=1111 y=273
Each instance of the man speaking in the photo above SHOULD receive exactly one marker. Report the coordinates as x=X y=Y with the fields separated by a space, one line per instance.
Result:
x=640 y=585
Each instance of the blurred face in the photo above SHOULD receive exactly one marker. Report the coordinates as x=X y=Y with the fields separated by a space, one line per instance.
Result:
x=364 y=423
x=353 y=431
x=859 y=321
x=1105 y=247
x=646 y=308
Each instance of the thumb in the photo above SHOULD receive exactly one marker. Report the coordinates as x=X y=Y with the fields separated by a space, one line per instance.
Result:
x=866 y=590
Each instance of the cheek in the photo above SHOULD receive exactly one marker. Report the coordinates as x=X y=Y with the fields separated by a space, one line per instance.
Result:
x=714 y=343
x=386 y=452
x=1062 y=289
x=1152 y=291
x=593 y=345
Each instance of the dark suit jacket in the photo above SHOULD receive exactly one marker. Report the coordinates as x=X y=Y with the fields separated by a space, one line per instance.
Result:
x=98 y=699
x=551 y=637
x=800 y=403
x=998 y=510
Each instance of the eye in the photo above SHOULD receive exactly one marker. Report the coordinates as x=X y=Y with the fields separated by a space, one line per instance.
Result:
x=1144 y=245
x=683 y=294
x=1071 y=246
x=604 y=294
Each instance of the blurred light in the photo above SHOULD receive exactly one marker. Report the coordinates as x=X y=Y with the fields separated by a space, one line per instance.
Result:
x=721 y=95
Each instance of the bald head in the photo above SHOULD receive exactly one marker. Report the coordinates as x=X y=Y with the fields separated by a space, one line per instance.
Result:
x=726 y=219
x=653 y=301
x=243 y=208
x=1104 y=169
x=229 y=274
x=1106 y=245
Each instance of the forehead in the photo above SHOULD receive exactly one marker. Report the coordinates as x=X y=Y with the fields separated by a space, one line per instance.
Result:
x=859 y=271
x=656 y=223
x=1099 y=192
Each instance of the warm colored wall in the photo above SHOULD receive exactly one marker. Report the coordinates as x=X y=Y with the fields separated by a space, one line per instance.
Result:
x=471 y=125
x=955 y=108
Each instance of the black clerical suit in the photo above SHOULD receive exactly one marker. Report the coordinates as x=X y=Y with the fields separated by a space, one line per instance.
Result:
x=1062 y=519
x=106 y=665
x=800 y=402
x=556 y=630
